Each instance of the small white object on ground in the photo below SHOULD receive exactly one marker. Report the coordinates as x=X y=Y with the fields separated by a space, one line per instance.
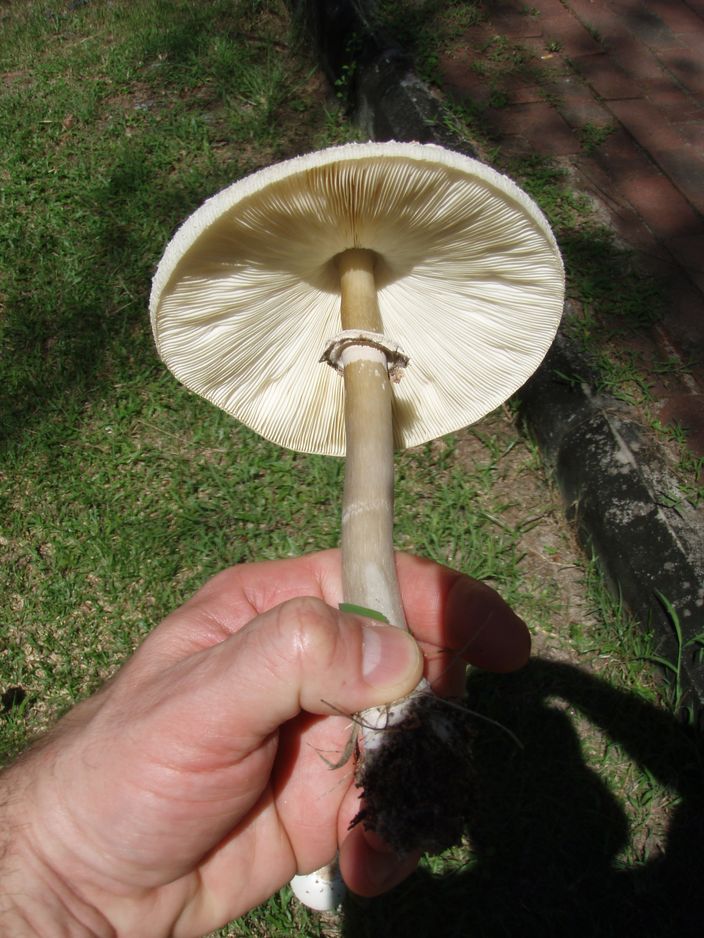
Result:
x=322 y=890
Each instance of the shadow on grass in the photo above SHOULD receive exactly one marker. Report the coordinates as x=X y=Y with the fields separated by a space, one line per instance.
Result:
x=84 y=324
x=549 y=834
x=79 y=264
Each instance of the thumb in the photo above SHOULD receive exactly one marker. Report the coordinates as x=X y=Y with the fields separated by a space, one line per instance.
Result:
x=302 y=655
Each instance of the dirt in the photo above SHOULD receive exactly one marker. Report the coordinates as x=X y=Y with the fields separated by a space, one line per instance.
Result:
x=415 y=783
x=551 y=560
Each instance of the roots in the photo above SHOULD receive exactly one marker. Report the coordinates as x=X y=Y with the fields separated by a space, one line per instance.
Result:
x=417 y=781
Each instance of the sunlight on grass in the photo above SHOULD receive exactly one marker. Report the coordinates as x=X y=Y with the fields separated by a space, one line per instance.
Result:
x=120 y=492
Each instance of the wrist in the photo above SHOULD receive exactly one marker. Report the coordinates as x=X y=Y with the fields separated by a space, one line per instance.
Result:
x=34 y=898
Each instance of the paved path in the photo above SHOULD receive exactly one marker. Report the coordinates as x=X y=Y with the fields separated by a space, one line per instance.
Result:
x=636 y=69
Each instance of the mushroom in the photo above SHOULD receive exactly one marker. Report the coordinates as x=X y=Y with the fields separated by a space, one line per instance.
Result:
x=431 y=283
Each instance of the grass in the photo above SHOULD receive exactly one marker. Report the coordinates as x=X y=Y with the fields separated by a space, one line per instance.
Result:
x=120 y=492
x=593 y=135
x=685 y=646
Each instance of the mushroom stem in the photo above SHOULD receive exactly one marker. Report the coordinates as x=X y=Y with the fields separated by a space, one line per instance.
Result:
x=368 y=565
x=414 y=735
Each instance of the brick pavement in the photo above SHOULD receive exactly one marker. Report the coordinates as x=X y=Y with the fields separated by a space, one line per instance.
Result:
x=634 y=68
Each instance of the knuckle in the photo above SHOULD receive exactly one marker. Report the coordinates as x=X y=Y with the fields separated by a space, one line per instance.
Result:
x=310 y=630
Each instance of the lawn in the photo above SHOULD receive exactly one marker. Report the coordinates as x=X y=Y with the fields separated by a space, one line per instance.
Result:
x=121 y=492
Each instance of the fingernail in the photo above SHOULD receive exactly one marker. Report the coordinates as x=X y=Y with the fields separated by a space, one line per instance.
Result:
x=390 y=656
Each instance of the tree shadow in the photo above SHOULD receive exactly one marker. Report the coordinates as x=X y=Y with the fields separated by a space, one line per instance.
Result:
x=548 y=834
x=79 y=269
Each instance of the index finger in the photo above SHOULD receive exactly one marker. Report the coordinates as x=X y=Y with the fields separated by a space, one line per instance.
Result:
x=459 y=617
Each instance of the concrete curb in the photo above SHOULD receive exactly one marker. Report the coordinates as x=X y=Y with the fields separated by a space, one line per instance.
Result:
x=611 y=477
x=614 y=481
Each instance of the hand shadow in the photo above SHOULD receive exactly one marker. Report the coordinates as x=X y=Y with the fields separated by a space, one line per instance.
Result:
x=548 y=834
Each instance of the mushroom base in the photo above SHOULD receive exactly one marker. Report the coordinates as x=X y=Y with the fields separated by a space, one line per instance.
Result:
x=417 y=784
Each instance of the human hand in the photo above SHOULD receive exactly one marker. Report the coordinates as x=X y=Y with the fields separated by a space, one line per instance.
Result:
x=194 y=784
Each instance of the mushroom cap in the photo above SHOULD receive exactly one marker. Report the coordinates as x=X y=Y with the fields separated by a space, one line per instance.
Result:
x=469 y=277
